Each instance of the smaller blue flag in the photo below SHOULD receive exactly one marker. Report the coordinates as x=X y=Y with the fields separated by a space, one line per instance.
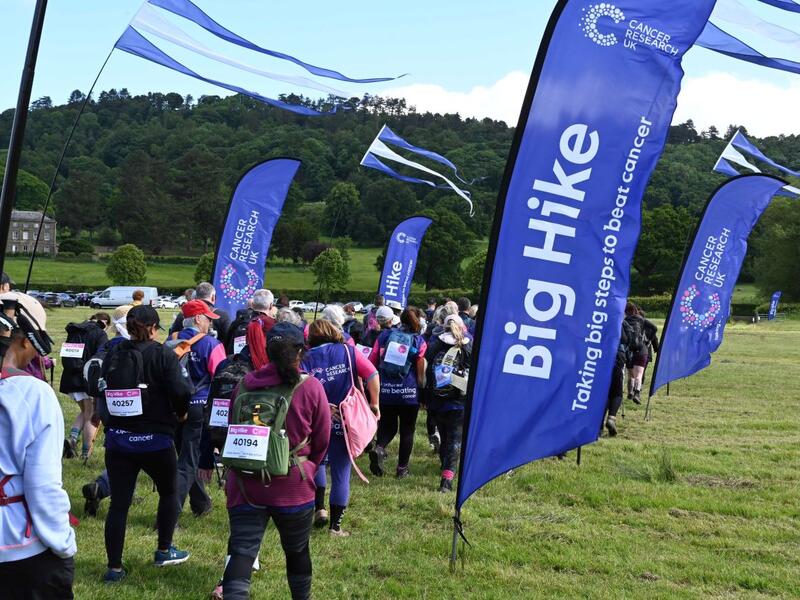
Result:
x=789 y=5
x=401 y=259
x=773 y=306
x=701 y=304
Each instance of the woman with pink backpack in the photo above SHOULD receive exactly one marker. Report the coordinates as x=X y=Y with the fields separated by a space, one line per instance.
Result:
x=337 y=366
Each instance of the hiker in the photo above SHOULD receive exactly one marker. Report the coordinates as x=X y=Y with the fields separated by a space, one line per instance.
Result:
x=94 y=491
x=450 y=359
x=144 y=406
x=235 y=341
x=651 y=337
x=638 y=350
x=370 y=320
x=37 y=544
x=6 y=283
x=138 y=297
x=431 y=309
x=335 y=315
x=437 y=322
x=349 y=317
x=257 y=330
x=83 y=342
x=287 y=500
x=464 y=305
x=617 y=377
x=206 y=292
x=39 y=365
x=399 y=354
x=205 y=354
x=337 y=365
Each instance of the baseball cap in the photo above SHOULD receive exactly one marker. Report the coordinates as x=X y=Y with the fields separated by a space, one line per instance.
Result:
x=285 y=331
x=30 y=305
x=5 y=279
x=194 y=308
x=145 y=314
x=384 y=313
x=394 y=305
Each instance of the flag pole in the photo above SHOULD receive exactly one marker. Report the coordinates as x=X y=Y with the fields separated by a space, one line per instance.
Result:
x=7 y=196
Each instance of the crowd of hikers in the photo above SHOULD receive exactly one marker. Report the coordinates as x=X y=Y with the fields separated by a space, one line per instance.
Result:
x=277 y=407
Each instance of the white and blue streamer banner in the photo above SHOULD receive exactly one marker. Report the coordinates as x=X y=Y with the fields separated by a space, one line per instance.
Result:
x=789 y=5
x=379 y=150
x=732 y=155
x=191 y=12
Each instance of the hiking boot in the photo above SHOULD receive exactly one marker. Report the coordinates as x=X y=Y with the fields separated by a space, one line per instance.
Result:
x=70 y=448
x=173 y=556
x=630 y=396
x=611 y=425
x=435 y=442
x=338 y=533
x=321 y=518
x=112 y=576
x=202 y=513
x=637 y=397
x=446 y=485
x=91 y=491
x=376 y=460
x=402 y=472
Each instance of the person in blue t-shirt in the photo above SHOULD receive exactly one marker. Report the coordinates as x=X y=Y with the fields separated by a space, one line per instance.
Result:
x=399 y=354
x=337 y=366
x=205 y=356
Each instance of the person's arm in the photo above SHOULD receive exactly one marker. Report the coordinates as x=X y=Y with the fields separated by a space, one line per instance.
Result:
x=222 y=325
x=375 y=355
x=420 y=364
x=652 y=333
x=176 y=385
x=47 y=501
x=215 y=357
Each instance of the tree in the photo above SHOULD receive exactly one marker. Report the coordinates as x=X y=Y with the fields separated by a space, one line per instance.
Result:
x=82 y=201
x=447 y=243
x=31 y=191
x=659 y=254
x=776 y=266
x=290 y=237
x=76 y=246
x=473 y=274
x=205 y=268
x=331 y=271
x=341 y=201
x=127 y=266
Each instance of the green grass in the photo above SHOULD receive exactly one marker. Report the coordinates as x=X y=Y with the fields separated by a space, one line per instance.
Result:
x=699 y=502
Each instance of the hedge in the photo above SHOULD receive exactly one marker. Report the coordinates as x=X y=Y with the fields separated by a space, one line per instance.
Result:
x=792 y=309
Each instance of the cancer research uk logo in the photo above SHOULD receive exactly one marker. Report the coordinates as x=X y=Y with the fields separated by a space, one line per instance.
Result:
x=637 y=32
x=593 y=15
x=691 y=317
x=404 y=238
x=237 y=294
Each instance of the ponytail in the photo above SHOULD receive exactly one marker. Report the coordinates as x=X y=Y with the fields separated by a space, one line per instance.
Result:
x=257 y=342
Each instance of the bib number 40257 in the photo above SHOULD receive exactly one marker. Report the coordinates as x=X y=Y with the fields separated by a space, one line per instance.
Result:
x=124 y=403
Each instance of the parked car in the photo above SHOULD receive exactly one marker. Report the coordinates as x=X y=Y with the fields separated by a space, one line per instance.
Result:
x=84 y=298
x=165 y=302
x=295 y=303
x=50 y=300
x=313 y=306
x=68 y=300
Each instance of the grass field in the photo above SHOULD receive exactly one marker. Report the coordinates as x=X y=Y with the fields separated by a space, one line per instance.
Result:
x=700 y=502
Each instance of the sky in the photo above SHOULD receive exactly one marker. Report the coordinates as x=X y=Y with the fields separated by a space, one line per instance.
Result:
x=473 y=57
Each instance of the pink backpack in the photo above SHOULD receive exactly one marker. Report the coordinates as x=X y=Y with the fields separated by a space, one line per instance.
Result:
x=358 y=423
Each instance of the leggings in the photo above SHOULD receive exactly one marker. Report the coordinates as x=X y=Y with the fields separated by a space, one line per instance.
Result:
x=406 y=416
x=247 y=526
x=44 y=576
x=451 y=425
x=430 y=424
x=615 y=391
x=123 y=469
x=339 y=462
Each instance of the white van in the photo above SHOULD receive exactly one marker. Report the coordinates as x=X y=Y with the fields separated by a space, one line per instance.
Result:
x=118 y=295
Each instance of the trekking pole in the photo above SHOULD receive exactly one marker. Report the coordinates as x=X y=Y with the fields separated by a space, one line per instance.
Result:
x=647 y=407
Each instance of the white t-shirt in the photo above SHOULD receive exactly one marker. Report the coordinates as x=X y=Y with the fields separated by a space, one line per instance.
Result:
x=31 y=443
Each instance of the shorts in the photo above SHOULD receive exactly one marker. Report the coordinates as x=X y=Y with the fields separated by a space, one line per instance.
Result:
x=640 y=360
x=78 y=396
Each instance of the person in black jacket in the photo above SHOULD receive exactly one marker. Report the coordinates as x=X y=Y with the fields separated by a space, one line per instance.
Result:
x=144 y=410
x=641 y=330
x=206 y=292
x=617 y=377
x=83 y=342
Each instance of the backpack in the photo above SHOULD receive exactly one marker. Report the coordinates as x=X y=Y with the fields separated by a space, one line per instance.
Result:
x=372 y=321
x=637 y=340
x=215 y=412
x=359 y=424
x=399 y=345
x=77 y=334
x=238 y=330
x=451 y=373
x=182 y=349
x=122 y=383
x=256 y=443
x=93 y=369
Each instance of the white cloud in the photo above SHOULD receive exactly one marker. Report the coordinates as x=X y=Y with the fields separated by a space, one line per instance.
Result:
x=718 y=99
x=502 y=100
x=721 y=99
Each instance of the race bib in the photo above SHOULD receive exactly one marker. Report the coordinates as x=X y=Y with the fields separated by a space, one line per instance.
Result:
x=246 y=441
x=124 y=403
x=219 y=413
x=396 y=354
x=365 y=350
x=69 y=350
x=239 y=343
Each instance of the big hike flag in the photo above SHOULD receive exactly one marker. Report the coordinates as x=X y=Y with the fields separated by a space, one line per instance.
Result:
x=773 y=306
x=701 y=304
x=255 y=208
x=592 y=128
x=401 y=259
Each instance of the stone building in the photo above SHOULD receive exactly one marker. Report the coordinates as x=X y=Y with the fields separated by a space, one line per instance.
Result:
x=22 y=235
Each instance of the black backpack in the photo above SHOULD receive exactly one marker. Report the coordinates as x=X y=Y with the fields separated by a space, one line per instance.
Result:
x=460 y=368
x=225 y=381
x=123 y=369
x=77 y=333
x=637 y=340
x=93 y=369
x=239 y=328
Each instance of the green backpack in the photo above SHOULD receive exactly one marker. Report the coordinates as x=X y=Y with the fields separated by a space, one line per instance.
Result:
x=264 y=407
